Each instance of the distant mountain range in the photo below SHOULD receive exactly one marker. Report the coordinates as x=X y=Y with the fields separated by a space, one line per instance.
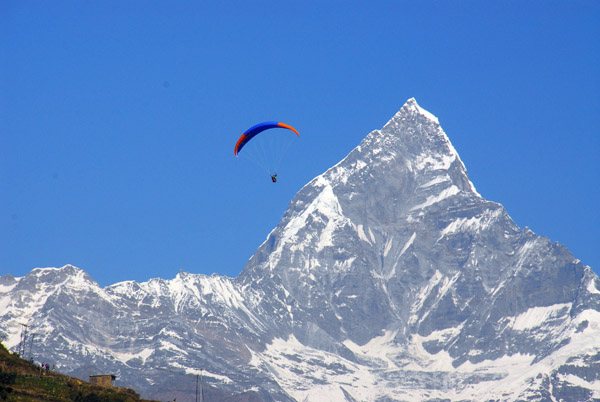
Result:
x=389 y=278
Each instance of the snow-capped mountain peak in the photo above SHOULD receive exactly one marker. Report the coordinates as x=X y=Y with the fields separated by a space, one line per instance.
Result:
x=410 y=110
x=388 y=278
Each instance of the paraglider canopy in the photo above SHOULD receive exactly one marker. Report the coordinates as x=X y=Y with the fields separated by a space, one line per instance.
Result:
x=259 y=128
x=266 y=150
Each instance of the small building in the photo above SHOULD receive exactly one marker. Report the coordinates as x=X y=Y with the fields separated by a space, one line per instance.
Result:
x=103 y=380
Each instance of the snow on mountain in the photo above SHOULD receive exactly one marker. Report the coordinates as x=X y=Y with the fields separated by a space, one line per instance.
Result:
x=388 y=278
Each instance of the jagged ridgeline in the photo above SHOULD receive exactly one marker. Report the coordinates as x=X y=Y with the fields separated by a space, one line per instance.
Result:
x=389 y=277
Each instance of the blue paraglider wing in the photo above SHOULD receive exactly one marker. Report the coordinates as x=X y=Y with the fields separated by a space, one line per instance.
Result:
x=257 y=129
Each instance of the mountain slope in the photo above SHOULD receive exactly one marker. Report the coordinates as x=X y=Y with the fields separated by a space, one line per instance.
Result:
x=388 y=278
x=21 y=380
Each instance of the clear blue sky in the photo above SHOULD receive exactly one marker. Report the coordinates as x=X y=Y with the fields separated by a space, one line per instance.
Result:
x=118 y=118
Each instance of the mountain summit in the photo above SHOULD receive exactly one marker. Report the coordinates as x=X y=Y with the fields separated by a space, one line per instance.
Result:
x=388 y=278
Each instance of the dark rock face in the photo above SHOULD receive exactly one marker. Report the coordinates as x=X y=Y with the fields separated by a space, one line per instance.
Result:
x=388 y=278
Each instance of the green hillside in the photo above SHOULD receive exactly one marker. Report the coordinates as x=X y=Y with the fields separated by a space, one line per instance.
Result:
x=21 y=380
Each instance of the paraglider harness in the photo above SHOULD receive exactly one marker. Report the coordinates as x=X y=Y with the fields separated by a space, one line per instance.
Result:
x=274 y=178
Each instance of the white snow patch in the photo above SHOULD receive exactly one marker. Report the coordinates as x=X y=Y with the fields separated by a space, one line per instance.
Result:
x=204 y=373
x=580 y=382
x=126 y=356
x=165 y=345
x=170 y=333
x=437 y=180
x=361 y=234
x=7 y=288
x=433 y=199
x=408 y=243
x=388 y=246
x=372 y=236
x=537 y=316
x=591 y=287
x=474 y=224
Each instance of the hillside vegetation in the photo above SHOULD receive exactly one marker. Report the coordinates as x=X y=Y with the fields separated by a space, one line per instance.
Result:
x=21 y=380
